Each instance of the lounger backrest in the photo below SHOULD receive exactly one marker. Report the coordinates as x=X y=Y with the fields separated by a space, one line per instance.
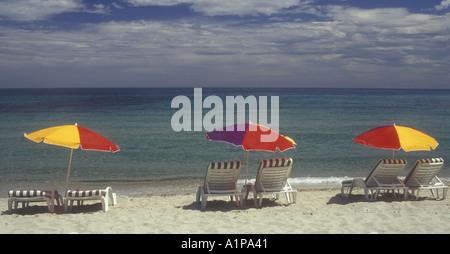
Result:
x=273 y=174
x=385 y=172
x=222 y=176
x=423 y=172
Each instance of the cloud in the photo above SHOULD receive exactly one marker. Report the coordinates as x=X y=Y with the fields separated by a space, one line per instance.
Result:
x=443 y=5
x=346 y=45
x=229 y=7
x=30 y=10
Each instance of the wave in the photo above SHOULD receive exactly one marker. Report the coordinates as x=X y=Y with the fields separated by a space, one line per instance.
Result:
x=318 y=180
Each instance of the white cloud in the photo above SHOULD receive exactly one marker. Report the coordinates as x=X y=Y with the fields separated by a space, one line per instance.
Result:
x=443 y=5
x=363 y=44
x=228 y=7
x=239 y=7
x=30 y=10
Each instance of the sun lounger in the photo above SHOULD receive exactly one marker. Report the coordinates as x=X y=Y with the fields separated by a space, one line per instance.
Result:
x=272 y=178
x=25 y=196
x=220 y=180
x=383 y=177
x=106 y=196
x=423 y=176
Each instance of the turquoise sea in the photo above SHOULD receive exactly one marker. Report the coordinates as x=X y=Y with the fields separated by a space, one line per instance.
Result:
x=153 y=156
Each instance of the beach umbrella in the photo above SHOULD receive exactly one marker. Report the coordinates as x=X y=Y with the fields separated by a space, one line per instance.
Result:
x=73 y=137
x=397 y=137
x=251 y=137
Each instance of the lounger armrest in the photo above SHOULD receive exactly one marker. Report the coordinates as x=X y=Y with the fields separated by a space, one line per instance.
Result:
x=112 y=196
x=358 y=182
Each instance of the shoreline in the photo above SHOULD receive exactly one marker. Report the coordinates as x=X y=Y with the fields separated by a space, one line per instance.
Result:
x=137 y=188
x=318 y=210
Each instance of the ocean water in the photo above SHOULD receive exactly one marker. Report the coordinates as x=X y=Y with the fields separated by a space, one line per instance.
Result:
x=321 y=121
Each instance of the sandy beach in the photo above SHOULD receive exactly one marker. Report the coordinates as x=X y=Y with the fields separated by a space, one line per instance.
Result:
x=319 y=210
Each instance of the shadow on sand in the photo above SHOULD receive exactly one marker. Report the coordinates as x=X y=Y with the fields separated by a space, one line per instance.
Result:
x=226 y=206
x=34 y=209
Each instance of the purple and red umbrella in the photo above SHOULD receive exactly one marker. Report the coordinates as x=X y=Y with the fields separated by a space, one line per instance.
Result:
x=252 y=137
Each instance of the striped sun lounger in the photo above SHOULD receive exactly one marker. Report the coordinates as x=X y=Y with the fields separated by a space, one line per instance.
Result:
x=423 y=176
x=272 y=178
x=25 y=196
x=383 y=177
x=106 y=196
x=220 y=180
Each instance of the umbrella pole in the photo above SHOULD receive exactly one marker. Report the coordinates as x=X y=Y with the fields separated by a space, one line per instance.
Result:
x=246 y=171
x=393 y=152
x=68 y=170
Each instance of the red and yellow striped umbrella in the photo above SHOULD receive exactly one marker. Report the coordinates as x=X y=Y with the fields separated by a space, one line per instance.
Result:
x=396 y=138
x=73 y=136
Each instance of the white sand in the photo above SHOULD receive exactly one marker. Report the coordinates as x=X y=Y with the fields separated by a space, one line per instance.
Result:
x=318 y=210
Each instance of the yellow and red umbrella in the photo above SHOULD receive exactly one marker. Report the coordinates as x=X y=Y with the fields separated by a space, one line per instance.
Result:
x=396 y=138
x=73 y=136
x=250 y=137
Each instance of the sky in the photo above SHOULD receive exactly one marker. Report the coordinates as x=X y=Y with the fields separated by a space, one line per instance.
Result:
x=226 y=43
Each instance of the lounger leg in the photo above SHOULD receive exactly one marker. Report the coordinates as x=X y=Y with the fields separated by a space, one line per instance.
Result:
x=114 y=199
x=346 y=190
x=59 y=200
x=350 y=190
x=10 y=203
x=237 y=200
x=246 y=190
x=204 y=198
x=343 y=191
x=105 y=204
x=366 y=193
x=293 y=197
x=53 y=201
x=111 y=196
x=376 y=195
x=197 y=195
x=50 y=207
x=260 y=200
x=432 y=192
x=444 y=194
x=416 y=195
x=394 y=194
x=373 y=195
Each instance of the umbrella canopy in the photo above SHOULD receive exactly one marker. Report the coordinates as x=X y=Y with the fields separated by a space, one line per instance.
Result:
x=73 y=136
x=396 y=138
x=250 y=137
